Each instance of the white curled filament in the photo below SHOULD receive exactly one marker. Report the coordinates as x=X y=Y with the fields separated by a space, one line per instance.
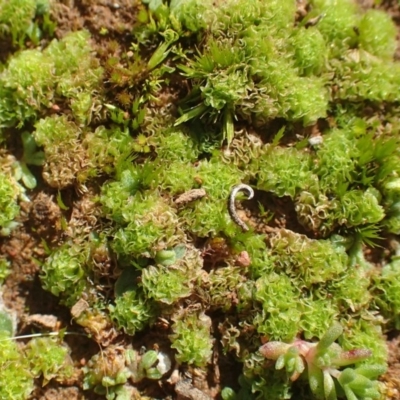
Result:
x=231 y=204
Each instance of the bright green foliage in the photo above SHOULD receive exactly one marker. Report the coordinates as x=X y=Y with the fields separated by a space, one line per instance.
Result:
x=4 y=269
x=191 y=15
x=284 y=171
x=209 y=214
x=166 y=284
x=64 y=272
x=351 y=289
x=19 y=365
x=360 y=208
x=355 y=208
x=132 y=311
x=77 y=70
x=387 y=286
x=349 y=157
x=314 y=261
x=237 y=15
x=48 y=359
x=118 y=195
x=16 y=380
x=9 y=209
x=391 y=192
x=169 y=283
x=191 y=339
x=34 y=78
x=336 y=160
x=55 y=131
x=152 y=225
x=247 y=73
x=309 y=50
x=317 y=315
x=16 y=17
x=302 y=98
x=172 y=179
x=105 y=148
x=176 y=152
x=23 y=86
x=261 y=262
x=369 y=72
x=306 y=263
x=339 y=17
x=377 y=34
x=361 y=76
x=66 y=68
x=279 y=318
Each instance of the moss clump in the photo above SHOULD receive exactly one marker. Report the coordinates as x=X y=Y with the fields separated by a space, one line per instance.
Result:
x=64 y=273
x=191 y=338
x=34 y=79
x=16 y=380
x=17 y=19
x=4 y=269
x=387 y=287
x=378 y=34
x=312 y=261
x=49 y=359
x=151 y=226
x=9 y=208
x=284 y=171
x=337 y=23
x=62 y=148
x=226 y=288
x=176 y=152
x=279 y=318
x=172 y=280
x=309 y=50
x=21 y=365
x=208 y=215
x=131 y=311
x=242 y=74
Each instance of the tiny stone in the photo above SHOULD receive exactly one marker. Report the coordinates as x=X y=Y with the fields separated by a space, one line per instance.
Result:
x=315 y=140
x=243 y=259
x=79 y=307
x=186 y=391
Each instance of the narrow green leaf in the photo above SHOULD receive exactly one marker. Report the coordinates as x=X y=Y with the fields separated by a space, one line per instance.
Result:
x=61 y=203
x=278 y=137
x=194 y=112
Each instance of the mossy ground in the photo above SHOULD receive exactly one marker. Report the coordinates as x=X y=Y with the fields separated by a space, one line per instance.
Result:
x=65 y=210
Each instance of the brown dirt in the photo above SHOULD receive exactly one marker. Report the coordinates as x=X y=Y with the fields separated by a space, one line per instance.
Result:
x=392 y=377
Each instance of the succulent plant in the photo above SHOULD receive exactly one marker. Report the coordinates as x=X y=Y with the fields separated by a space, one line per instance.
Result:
x=321 y=362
